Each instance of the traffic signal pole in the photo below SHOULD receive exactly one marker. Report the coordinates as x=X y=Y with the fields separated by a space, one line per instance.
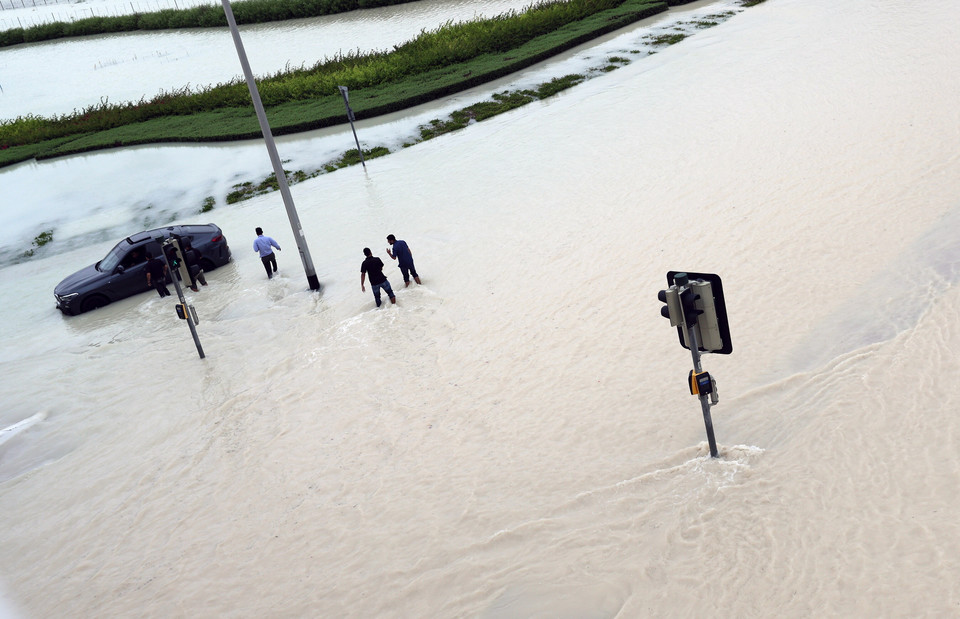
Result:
x=695 y=306
x=704 y=398
x=186 y=310
x=174 y=269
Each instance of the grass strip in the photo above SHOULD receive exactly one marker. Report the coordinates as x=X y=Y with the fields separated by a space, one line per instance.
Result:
x=430 y=74
x=447 y=45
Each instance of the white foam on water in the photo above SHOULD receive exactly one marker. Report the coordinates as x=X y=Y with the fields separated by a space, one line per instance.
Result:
x=10 y=431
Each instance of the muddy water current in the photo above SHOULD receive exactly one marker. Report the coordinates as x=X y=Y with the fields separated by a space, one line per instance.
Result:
x=515 y=438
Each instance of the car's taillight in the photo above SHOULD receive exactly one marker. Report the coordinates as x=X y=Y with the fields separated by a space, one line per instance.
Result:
x=217 y=238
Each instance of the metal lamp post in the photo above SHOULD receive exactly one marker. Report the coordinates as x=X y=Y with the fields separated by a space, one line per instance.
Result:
x=298 y=233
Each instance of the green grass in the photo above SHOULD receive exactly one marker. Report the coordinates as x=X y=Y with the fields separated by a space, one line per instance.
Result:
x=667 y=39
x=43 y=238
x=39 y=241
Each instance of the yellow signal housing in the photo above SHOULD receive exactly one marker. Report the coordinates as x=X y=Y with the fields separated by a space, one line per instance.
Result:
x=699 y=383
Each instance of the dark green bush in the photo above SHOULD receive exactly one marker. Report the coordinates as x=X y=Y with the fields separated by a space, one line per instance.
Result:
x=11 y=37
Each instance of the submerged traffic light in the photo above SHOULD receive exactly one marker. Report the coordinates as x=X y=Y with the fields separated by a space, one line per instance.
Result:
x=696 y=300
x=694 y=304
x=174 y=256
x=171 y=249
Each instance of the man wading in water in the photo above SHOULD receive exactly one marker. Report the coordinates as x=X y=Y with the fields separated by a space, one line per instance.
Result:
x=263 y=244
x=374 y=266
x=404 y=257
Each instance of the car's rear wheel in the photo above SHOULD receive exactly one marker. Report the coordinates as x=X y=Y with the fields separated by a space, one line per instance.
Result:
x=93 y=302
x=207 y=265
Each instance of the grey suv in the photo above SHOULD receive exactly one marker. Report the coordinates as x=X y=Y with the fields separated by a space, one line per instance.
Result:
x=122 y=273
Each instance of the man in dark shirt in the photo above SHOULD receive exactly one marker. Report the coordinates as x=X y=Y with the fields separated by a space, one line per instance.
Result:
x=192 y=257
x=157 y=275
x=374 y=267
x=402 y=254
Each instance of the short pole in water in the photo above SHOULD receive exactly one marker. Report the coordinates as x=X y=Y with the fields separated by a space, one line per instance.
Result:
x=183 y=303
x=695 y=306
x=346 y=102
x=704 y=398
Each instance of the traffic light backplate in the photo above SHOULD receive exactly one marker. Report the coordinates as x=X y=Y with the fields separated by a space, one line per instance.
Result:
x=721 y=309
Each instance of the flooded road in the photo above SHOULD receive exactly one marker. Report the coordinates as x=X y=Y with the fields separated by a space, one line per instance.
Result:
x=515 y=437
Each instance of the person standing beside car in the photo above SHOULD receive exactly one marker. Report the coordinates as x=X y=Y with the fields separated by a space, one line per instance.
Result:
x=157 y=275
x=264 y=245
x=192 y=256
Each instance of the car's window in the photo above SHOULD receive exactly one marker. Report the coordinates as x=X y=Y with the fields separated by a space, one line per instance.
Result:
x=154 y=249
x=113 y=258
x=134 y=257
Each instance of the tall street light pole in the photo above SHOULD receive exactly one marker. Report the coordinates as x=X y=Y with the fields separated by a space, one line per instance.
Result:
x=272 y=149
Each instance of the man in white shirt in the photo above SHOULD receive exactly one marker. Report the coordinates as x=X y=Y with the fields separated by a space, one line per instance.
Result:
x=264 y=245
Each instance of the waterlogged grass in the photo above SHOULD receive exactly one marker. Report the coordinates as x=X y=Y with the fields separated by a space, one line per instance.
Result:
x=247 y=190
x=39 y=241
x=614 y=63
x=435 y=64
x=667 y=39
x=352 y=157
x=500 y=103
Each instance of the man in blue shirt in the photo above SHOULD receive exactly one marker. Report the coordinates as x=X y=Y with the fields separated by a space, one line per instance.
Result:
x=374 y=267
x=264 y=245
x=404 y=257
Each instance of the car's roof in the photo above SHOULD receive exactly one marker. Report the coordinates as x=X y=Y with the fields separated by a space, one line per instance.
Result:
x=152 y=234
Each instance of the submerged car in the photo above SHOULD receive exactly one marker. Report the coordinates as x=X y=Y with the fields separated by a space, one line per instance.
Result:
x=122 y=272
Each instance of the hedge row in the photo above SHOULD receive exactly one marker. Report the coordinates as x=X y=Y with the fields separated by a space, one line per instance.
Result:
x=208 y=16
